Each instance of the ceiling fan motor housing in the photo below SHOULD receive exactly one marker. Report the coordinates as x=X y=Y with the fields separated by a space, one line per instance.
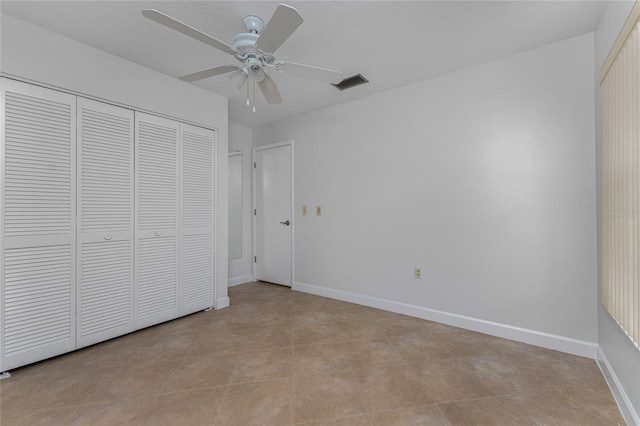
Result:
x=245 y=44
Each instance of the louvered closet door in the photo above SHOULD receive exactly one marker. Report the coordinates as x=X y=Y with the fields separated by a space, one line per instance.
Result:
x=37 y=224
x=157 y=219
x=105 y=221
x=197 y=238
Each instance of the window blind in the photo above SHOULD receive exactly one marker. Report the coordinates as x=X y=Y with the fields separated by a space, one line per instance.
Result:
x=620 y=261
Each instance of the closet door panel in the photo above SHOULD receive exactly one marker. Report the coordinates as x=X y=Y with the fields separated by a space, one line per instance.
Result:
x=197 y=272
x=38 y=303
x=197 y=218
x=105 y=221
x=106 y=299
x=38 y=177
x=37 y=224
x=157 y=297
x=157 y=219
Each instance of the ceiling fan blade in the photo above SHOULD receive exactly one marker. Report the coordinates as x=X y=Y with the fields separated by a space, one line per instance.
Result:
x=282 y=24
x=270 y=90
x=185 y=29
x=314 y=73
x=208 y=73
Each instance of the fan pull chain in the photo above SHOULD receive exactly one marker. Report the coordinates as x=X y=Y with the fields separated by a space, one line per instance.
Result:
x=254 y=96
x=248 y=103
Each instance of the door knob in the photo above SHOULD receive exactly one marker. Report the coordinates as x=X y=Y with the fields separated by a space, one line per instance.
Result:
x=286 y=222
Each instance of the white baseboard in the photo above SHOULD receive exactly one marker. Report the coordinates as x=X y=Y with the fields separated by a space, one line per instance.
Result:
x=241 y=280
x=531 y=337
x=623 y=401
x=222 y=303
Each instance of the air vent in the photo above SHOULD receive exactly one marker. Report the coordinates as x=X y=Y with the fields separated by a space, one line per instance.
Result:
x=353 y=81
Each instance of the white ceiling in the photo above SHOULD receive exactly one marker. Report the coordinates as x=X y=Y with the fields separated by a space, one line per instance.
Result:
x=392 y=43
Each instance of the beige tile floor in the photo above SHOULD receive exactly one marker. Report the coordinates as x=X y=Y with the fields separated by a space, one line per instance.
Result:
x=279 y=357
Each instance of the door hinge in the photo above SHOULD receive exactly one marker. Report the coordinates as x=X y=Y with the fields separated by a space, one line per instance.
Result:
x=255 y=212
x=255 y=259
x=254 y=164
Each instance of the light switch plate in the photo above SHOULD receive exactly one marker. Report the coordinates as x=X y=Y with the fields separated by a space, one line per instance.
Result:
x=304 y=210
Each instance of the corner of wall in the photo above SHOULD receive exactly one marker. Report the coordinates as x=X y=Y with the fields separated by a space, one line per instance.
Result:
x=222 y=303
x=617 y=390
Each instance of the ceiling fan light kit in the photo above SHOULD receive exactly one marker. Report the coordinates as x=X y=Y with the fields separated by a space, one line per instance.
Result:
x=238 y=77
x=254 y=50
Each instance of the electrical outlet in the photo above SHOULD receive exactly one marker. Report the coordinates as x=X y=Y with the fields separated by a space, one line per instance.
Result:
x=417 y=273
x=318 y=211
x=304 y=210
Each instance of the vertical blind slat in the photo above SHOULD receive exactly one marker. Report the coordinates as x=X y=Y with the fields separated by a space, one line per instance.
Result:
x=620 y=267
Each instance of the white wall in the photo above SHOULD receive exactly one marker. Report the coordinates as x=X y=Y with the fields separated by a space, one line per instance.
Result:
x=241 y=270
x=483 y=177
x=621 y=355
x=41 y=56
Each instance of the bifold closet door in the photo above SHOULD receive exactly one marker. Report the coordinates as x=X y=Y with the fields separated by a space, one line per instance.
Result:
x=157 y=220
x=37 y=224
x=105 y=221
x=196 y=230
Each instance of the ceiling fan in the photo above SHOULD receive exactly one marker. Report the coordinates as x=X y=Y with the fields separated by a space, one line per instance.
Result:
x=254 y=50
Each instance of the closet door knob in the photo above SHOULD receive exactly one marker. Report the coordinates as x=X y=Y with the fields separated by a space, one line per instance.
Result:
x=158 y=234
x=108 y=237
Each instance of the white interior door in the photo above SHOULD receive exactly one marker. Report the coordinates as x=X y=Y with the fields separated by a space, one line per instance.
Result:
x=273 y=170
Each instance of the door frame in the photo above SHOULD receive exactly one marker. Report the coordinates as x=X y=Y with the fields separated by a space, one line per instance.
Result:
x=254 y=153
